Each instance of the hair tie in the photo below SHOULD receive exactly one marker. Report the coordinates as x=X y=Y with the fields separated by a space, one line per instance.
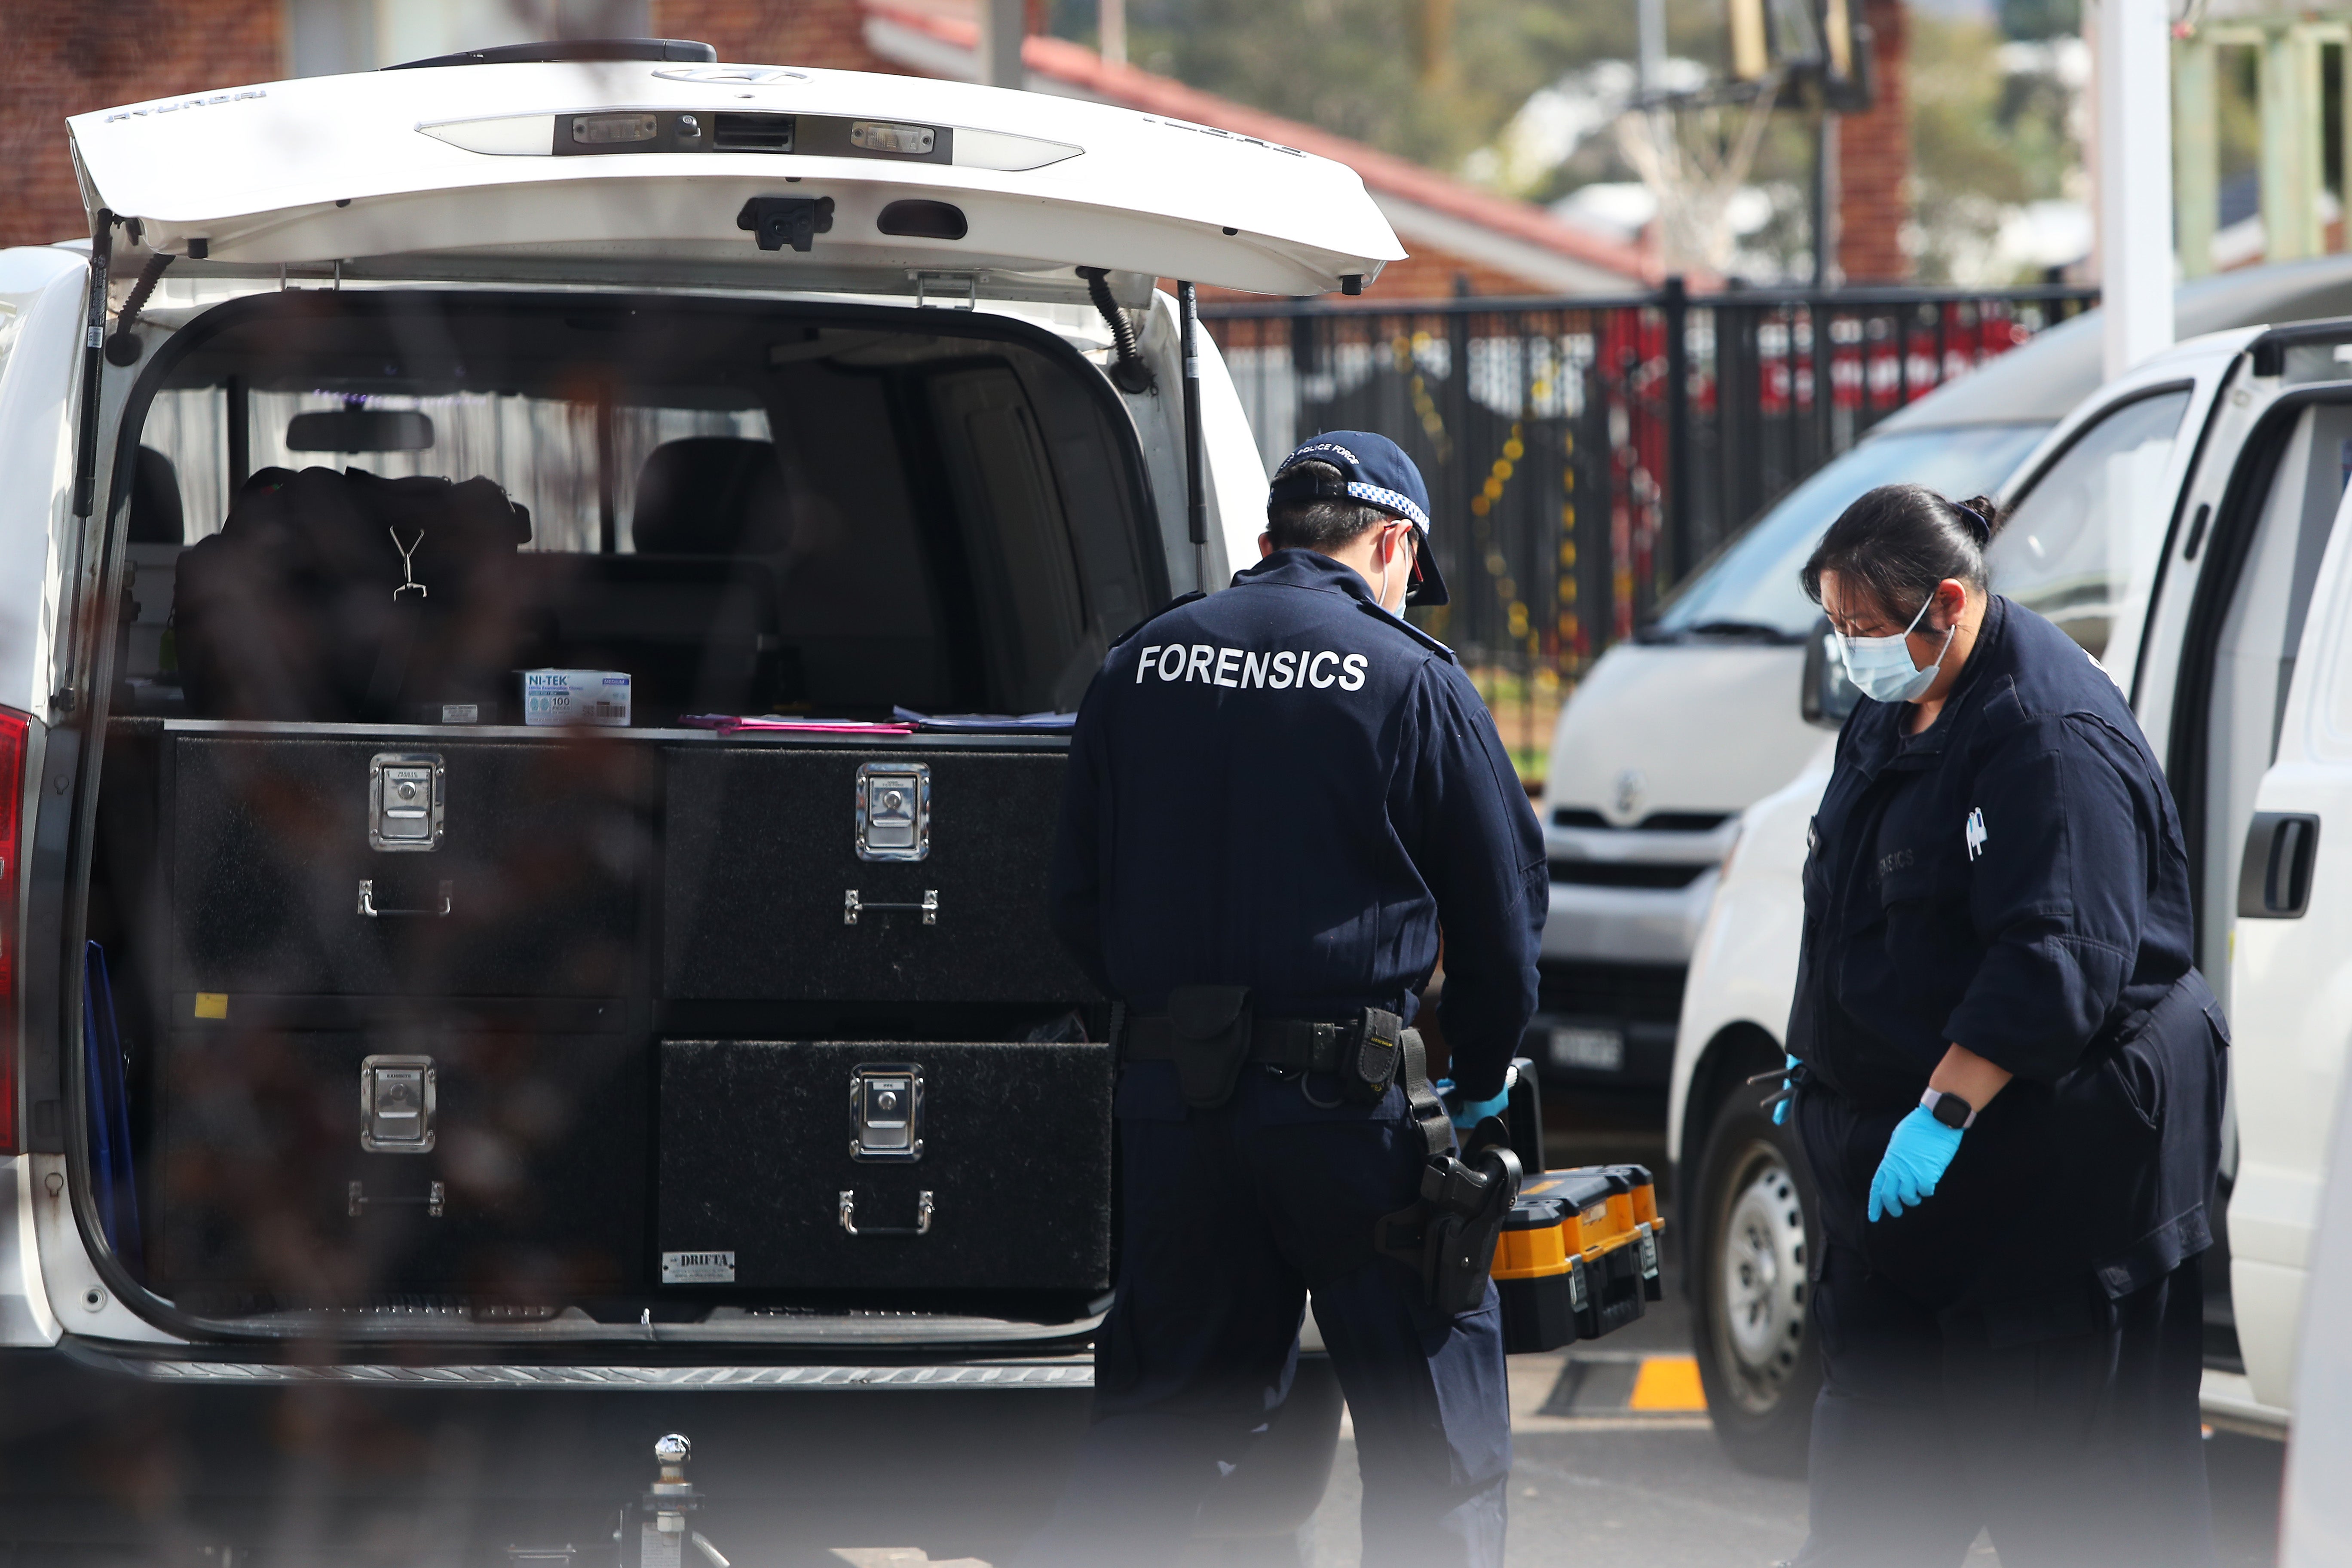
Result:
x=1977 y=523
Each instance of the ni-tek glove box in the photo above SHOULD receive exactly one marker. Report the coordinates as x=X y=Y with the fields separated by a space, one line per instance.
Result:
x=1578 y=1257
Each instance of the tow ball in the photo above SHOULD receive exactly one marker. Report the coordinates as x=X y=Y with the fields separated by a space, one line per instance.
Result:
x=663 y=1535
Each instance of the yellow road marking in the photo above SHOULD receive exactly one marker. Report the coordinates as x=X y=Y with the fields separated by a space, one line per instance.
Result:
x=1667 y=1383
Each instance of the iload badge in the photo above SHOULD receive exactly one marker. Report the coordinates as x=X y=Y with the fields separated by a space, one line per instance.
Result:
x=1976 y=832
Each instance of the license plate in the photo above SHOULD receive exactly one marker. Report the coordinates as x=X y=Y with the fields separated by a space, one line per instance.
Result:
x=1592 y=1050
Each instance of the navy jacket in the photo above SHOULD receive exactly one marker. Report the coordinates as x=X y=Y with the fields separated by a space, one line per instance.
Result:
x=2013 y=881
x=1284 y=786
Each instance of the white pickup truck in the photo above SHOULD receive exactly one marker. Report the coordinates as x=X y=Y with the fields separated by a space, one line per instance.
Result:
x=410 y=1108
x=2199 y=504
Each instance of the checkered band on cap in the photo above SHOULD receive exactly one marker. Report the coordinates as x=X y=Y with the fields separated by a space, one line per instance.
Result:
x=1389 y=501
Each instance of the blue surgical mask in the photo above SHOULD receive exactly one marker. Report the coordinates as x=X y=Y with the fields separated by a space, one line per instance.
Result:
x=1881 y=667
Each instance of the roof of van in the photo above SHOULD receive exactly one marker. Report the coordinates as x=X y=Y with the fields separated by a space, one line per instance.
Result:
x=2041 y=381
x=544 y=160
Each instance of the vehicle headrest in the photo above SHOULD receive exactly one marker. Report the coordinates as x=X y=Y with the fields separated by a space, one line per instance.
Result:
x=155 y=516
x=711 y=495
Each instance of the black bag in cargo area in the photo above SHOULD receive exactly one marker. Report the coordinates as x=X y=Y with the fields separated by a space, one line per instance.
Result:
x=348 y=597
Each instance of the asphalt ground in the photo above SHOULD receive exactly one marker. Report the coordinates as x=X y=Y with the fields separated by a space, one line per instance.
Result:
x=1606 y=1467
x=1613 y=1460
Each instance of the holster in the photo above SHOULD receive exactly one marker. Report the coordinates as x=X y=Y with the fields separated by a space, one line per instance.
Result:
x=1449 y=1236
x=1211 y=1025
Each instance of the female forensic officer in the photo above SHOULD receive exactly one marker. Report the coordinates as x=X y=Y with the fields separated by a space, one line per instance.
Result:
x=2007 y=1082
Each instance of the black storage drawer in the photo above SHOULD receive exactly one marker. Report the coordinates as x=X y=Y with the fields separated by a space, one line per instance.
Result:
x=762 y=849
x=543 y=853
x=756 y=1157
x=538 y=1148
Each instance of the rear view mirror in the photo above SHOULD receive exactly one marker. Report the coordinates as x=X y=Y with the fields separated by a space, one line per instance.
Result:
x=1828 y=696
x=360 y=430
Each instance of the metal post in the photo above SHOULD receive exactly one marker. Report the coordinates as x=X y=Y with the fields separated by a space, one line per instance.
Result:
x=1196 y=494
x=2292 y=159
x=1824 y=200
x=2134 y=84
x=2195 y=153
x=1001 y=25
x=1676 y=303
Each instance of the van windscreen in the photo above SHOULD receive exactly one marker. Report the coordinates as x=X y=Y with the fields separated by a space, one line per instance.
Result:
x=389 y=507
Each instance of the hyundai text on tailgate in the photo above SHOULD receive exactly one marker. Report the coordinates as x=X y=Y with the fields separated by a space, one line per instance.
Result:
x=540 y=609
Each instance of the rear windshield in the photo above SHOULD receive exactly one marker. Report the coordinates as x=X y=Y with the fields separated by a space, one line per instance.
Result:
x=426 y=508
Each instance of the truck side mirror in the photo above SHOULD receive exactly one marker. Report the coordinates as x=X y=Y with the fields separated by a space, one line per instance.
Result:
x=1828 y=696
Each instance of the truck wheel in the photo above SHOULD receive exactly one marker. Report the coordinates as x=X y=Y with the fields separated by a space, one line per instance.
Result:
x=1755 y=1232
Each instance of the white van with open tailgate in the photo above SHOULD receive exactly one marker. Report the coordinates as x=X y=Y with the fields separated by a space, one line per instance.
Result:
x=541 y=604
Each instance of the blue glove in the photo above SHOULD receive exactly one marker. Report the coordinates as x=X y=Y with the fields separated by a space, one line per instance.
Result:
x=1915 y=1162
x=1473 y=1111
x=1787 y=1084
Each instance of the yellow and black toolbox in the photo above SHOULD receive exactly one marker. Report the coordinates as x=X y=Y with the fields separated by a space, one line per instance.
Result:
x=1579 y=1255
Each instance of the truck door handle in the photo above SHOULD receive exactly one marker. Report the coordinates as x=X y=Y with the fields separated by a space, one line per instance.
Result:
x=2274 y=877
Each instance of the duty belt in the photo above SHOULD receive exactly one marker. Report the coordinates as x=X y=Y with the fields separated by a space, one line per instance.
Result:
x=1208 y=1032
x=1304 y=1042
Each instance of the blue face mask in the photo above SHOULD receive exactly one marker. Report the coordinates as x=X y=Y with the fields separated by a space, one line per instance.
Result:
x=1881 y=667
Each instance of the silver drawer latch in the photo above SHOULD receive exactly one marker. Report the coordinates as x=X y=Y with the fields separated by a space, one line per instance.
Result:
x=922 y=1225
x=885 y=1111
x=399 y=1097
x=851 y=906
x=406 y=801
x=894 y=811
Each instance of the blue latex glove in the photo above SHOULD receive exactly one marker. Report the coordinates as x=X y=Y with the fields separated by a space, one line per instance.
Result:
x=1780 y=1111
x=1915 y=1162
x=1469 y=1115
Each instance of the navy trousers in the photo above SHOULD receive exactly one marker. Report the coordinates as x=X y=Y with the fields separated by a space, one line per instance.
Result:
x=1229 y=1217
x=2076 y=1442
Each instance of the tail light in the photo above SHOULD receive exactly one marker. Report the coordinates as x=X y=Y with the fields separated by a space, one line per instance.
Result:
x=13 y=728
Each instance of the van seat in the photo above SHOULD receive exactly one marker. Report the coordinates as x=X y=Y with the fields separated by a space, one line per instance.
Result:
x=711 y=495
x=696 y=634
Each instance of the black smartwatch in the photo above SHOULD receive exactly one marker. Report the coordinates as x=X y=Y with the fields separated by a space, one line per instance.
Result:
x=1949 y=1108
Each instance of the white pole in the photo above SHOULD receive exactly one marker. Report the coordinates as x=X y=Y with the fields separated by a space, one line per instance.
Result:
x=1110 y=31
x=2134 y=174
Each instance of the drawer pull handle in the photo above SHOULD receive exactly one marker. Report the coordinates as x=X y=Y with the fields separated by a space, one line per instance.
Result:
x=851 y=906
x=434 y=1198
x=922 y=1225
x=367 y=902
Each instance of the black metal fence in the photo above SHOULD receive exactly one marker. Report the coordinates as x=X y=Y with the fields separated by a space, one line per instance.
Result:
x=1583 y=454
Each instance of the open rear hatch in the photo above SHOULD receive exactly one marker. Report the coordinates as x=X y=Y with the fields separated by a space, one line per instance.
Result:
x=520 y=900
x=799 y=178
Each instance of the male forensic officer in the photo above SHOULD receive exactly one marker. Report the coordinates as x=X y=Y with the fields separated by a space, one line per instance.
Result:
x=1278 y=797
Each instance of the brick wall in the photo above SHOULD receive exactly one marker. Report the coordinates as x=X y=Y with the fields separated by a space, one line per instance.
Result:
x=65 y=57
x=825 y=32
x=1874 y=162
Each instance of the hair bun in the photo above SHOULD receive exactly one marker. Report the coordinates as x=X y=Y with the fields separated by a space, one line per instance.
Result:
x=1985 y=511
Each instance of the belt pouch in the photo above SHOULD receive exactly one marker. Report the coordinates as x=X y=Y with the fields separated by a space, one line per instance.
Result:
x=1211 y=1028
x=1373 y=1057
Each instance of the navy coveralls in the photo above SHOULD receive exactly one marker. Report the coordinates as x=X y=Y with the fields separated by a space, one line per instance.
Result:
x=2022 y=1351
x=1284 y=786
